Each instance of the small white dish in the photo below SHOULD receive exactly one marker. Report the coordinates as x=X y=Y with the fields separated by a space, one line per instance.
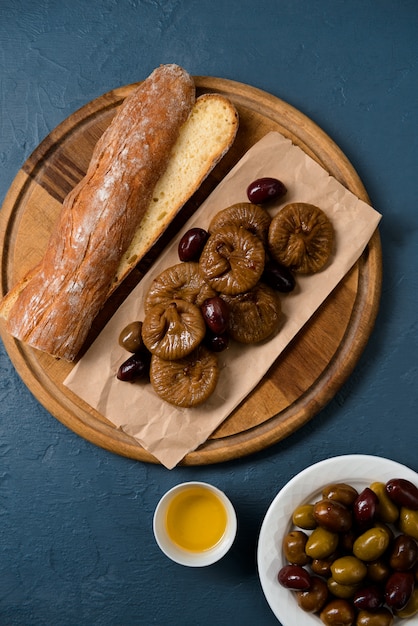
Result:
x=357 y=470
x=194 y=555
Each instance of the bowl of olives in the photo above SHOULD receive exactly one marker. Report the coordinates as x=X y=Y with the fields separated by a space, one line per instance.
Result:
x=339 y=545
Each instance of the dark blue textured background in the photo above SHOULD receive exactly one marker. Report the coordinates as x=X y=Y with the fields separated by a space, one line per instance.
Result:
x=76 y=543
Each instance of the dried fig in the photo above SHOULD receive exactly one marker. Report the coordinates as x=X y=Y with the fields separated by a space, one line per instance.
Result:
x=183 y=281
x=254 y=315
x=232 y=260
x=172 y=331
x=301 y=237
x=186 y=382
x=249 y=216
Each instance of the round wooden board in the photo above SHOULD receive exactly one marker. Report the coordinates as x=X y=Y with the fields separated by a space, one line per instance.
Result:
x=302 y=380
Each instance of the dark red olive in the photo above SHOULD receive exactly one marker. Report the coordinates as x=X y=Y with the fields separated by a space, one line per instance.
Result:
x=265 y=189
x=398 y=589
x=364 y=507
x=134 y=368
x=216 y=343
x=404 y=553
x=368 y=598
x=294 y=577
x=215 y=312
x=403 y=493
x=192 y=243
x=278 y=277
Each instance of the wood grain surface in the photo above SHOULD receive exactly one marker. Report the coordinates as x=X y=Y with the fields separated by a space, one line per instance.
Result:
x=304 y=377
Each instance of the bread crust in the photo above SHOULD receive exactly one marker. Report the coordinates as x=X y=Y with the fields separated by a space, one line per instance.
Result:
x=53 y=308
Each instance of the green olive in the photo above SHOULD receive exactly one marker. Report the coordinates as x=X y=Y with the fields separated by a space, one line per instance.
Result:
x=303 y=517
x=387 y=511
x=348 y=570
x=294 y=547
x=339 y=590
x=341 y=492
x=371 y=544
x=130 y=337
x=408 y=522
x=379 y=617
x=321 y=543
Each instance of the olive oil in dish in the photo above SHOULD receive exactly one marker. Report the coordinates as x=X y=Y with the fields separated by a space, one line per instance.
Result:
x=196 y=519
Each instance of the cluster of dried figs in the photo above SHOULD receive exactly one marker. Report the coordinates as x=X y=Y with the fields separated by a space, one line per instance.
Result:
x=225 y=286
x=352 y=557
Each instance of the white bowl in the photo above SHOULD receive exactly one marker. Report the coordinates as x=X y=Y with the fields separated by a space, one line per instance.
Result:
x=357 y=470
x=187 y=557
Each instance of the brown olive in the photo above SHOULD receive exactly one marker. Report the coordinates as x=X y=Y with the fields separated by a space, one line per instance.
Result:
x=303 y=517
x=294 y=577
x=130 y=337
x=294 y=547
x=342 y=492
x=378 y=571
x=322 y=567
x=403 y=493
x=380 y=617
x=338 y=612
x=404 y=553
x=321 y=543
x=313 y=599
x=332 y=515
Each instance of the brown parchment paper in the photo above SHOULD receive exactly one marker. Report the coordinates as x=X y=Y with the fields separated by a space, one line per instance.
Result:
x=167 y=432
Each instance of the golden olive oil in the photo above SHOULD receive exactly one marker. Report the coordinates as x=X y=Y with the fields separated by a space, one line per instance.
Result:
x=196 y=519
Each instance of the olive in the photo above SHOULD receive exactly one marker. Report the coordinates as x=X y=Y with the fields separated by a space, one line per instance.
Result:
x=130 y=337
x=339 y=590
x=403 y=554
x=321 y=543
x=348 y=570
x=135 y=367
x=294 y=547
x=278 y=277
x=294 y=577
x=398 y=589
x=313 y=599
x=192 y=243
x=364 y=507
x=338 y=612
x=381 y=617
x=378 y=571
x=303 y=517
x=342 y=492
x=332 y=515
x=368 y=598
x=216 y=343
x=387 y=511
x=346 y=541
x=215 y=312
x=403 y=493
x=322 y=567
x=265 y=189
x=411 y=608
x=408 y=522
x=371 y=544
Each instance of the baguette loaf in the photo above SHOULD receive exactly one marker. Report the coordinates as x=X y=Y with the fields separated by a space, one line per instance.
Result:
x=53 y=308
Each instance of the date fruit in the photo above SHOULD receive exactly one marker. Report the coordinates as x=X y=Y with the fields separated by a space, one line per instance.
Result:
x=192 y=243
x=265 y=189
